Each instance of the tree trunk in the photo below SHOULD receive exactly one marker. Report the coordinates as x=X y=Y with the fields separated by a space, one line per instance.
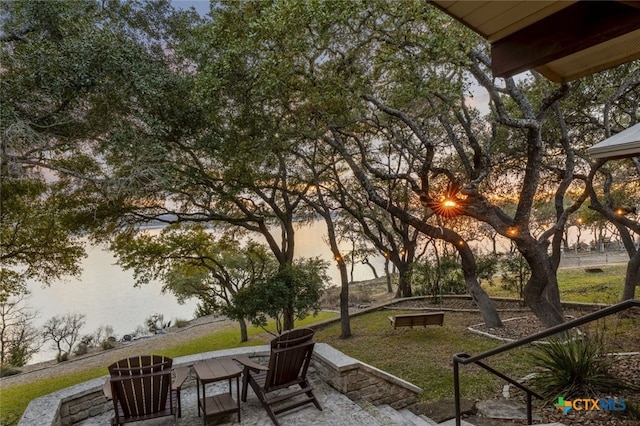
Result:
x=632 y=278
x=373 y=269
x=404 y=281
x=541 y=291
x=353 y=263
x=480 y=297
x=345 y=322
x=288 y=317
x=388 y=275
x=244 y=336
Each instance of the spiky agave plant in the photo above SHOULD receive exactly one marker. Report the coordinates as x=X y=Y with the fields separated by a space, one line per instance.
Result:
x=575 y=367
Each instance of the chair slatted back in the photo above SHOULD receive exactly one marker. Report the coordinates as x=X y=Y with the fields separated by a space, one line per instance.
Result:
x=290 y=358
x=141 y=386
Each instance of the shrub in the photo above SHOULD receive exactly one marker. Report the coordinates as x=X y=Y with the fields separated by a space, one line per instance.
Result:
x=576 y=367
x=62 y=357
x=81 y=349
x=155 y=323
x=442 y=277
x=180 y=323
x=108 y=344
x=515 y=273
x=9 y=370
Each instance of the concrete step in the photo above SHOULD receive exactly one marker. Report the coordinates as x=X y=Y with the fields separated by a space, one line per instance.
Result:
x=372 y=411
x=354 y=413
x=398 y=418
x=417 y=420
x=552 y=424
x=452 y=422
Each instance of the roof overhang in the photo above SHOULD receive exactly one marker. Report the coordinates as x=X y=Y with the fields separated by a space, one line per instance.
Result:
x=563 y=40
x=621 y=145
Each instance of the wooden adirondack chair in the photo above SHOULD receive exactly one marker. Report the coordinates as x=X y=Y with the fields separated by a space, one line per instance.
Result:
x=288 y=365
x=142 y=388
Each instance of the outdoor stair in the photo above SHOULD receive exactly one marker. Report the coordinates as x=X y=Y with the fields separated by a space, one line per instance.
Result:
x=417 y=420
x=401 y=418
x=386 y=415
x=452 y=422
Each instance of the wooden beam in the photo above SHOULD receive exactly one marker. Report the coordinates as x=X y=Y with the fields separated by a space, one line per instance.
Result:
x=570 y=30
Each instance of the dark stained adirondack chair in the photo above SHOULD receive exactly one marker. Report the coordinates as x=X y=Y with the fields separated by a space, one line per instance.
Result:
x=143 y=388
x=289 y=361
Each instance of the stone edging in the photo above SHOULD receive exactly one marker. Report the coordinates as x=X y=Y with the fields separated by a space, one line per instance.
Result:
x=356 y=380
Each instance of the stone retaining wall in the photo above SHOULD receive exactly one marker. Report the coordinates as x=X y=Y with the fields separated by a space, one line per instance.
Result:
x=360 y=381
x=349 y=376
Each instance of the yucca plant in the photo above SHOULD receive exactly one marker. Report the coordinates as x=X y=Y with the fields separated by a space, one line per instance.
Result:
x=575 y=367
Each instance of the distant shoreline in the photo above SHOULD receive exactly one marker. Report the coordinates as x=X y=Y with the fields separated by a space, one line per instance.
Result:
x=98 y=357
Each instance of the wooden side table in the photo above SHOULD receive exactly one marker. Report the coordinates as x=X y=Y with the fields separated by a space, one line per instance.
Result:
x=215 y=370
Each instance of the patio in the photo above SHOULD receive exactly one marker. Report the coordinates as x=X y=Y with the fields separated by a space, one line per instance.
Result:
x=337 y=409
x=350 y=392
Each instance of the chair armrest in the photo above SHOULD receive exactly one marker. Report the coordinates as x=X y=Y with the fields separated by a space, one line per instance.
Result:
x=106 y=389
x=180 y=375
x=247 y=363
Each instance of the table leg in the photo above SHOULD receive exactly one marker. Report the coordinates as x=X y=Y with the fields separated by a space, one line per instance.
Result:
x=198 y=394
x=237 y=395
x=204 y=404
x=179 y=403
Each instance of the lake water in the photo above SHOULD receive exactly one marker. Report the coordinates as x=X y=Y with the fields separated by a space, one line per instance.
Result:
x=106 y=295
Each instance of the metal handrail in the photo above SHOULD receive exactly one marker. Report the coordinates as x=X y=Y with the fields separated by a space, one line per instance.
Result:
x=464 y=359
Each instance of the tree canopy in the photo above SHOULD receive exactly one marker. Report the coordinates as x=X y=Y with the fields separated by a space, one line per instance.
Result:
x=262 y=115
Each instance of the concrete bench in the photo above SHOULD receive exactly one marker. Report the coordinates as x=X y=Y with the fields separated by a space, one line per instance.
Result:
x=423 y=319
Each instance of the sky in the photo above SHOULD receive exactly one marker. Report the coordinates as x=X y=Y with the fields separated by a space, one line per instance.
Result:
x=201 y=6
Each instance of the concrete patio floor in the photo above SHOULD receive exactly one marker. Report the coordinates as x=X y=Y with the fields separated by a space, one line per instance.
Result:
x=338 y=381
x=337 y=410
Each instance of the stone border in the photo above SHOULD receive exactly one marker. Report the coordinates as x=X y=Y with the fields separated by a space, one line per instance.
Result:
x=493 y=336
x=356 y=380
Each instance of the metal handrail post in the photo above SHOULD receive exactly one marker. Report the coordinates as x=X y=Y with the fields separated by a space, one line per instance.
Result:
x=456 y=390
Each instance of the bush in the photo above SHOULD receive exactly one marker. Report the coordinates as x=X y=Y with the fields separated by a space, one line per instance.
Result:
x=81 y=349
x=108 y=344
x=9 y=370
x=203 y=309
x=62 y=357
x=435 y=279
x=515 y=273
x=155 y=323
x=576 y=367
x=180 y=323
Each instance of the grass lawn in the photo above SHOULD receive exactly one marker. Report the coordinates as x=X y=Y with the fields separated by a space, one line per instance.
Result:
x=422 y=356
x=578 y=285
